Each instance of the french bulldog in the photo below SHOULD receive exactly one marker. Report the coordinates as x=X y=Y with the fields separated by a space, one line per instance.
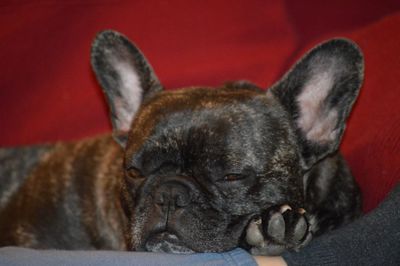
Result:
x=193 y=170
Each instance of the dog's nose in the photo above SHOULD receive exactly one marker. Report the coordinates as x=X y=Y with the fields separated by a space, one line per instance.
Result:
x=172 y=193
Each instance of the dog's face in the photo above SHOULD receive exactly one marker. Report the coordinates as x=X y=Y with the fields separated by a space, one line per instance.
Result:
x=201 y=162
x=200 y=171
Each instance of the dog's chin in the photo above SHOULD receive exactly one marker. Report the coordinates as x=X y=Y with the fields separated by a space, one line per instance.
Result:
x=167 y=243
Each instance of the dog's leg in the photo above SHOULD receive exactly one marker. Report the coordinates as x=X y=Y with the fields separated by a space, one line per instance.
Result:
x=332 y=199
x=332 y=196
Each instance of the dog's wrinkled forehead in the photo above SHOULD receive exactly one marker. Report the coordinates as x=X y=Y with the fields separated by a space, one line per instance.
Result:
x=191 y=123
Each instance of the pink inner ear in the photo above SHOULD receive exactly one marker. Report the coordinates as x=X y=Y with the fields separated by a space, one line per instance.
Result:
x=131 y=94
x=315 y=120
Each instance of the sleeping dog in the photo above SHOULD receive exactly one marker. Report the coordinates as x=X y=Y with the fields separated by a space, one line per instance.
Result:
x=192 y=170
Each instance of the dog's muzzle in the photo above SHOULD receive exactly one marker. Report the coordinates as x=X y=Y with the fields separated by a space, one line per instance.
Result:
x=166 y=242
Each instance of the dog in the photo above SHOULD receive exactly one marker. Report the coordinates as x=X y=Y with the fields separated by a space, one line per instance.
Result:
x=193 y=170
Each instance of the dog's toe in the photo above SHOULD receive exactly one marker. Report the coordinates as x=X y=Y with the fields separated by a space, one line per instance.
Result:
x=254 y=235
x=300 y=229
x=276 y=227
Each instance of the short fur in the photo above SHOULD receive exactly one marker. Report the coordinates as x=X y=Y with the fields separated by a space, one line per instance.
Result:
x=193 y=168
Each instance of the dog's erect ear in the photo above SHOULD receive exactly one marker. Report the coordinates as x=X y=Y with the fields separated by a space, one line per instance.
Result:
x=125 y=76
x=318 y=93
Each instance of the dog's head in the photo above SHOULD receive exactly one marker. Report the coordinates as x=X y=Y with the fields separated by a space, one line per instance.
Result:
x=201 y=162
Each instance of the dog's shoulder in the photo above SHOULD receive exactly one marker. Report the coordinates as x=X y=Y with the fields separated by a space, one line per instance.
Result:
x=51 y=161
x=15 y=165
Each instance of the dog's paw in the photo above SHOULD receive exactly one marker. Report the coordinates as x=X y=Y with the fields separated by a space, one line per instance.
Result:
x=278 y=229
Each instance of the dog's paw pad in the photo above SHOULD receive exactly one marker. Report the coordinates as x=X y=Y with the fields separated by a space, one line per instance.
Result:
x=254 y=234
x=275 y=227
x=279 y=228
x=300 y=229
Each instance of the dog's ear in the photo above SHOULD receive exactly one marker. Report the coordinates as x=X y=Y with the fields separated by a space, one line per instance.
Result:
x=318 y=93
x=125 y=76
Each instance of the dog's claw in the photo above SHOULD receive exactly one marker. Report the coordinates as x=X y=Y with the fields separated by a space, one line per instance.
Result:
x=278 y=229
x=285 y=208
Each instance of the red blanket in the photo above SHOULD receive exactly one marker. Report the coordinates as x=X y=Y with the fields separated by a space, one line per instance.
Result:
x=48 y=92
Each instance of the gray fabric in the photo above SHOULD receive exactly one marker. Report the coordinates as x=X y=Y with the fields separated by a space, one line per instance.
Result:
x=371 y=240
x=14 y=256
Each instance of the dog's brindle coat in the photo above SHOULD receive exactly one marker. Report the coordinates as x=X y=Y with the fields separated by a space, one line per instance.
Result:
x=197 y=169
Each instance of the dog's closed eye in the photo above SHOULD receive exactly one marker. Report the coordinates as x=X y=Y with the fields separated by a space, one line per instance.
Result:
x=133 y=173
x=233 y=177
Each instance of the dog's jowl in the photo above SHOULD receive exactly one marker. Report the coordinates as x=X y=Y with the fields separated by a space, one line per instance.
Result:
x=193 y=170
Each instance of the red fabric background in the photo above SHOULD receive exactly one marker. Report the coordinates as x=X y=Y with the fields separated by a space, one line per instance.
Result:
x=48 y=92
